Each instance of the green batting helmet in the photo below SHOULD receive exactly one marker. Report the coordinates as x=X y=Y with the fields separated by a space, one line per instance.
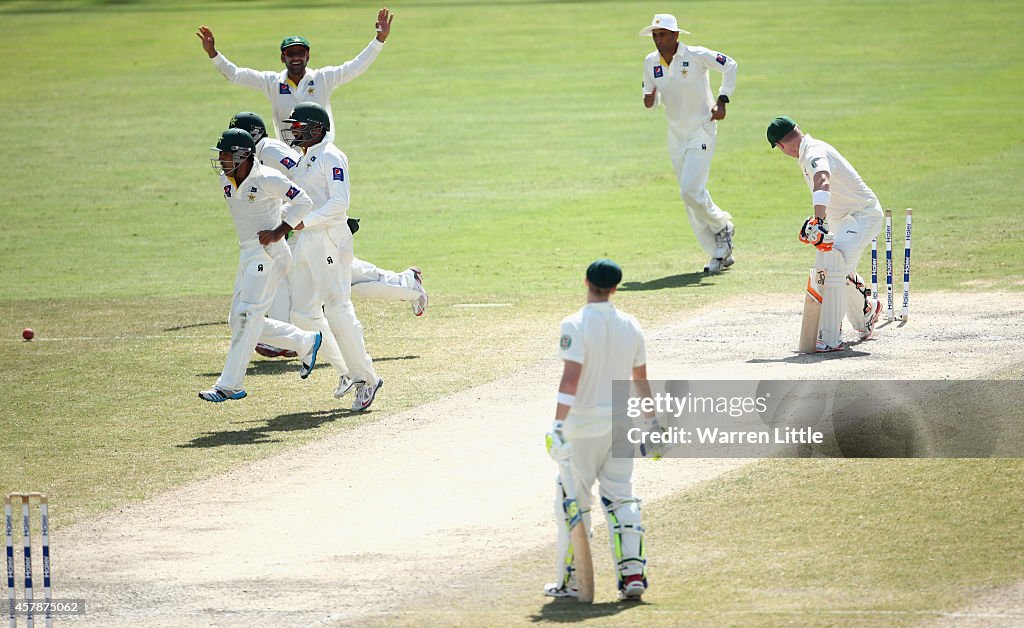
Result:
x=239 y=143
x=305 y=119
x=250 y=122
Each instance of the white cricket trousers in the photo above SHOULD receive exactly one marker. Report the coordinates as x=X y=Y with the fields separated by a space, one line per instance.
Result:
x=853 y=234
x=368 y=282
x=591 y=440
x=259 y=272
x=691 y=151
x=321 y=288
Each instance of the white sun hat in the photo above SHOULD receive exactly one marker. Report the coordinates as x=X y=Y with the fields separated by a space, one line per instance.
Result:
x=663 y=20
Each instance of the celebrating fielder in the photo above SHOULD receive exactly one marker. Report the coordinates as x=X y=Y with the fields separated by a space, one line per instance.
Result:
x=297 y=83
x=677 y=75
x=847 y=216
x=322 y=278
x=368 y=281
x=599 y=344
x=254 y=194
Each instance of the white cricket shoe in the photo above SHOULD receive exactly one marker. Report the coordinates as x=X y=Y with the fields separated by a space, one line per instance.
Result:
x=365 y=394
x=633 y=588
x=554 y=589
x=220 y=395
x=728 y=261
x=419 y=306
x=821 y=347
x=715 y=266
x=345 y=384
x=723 y=241
x=309 y=361
x=871 y=318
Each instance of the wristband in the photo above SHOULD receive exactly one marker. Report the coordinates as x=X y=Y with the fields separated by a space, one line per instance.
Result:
x=821 y=197
x=565 y=399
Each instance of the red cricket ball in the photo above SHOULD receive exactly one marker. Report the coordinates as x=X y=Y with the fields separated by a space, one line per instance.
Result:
x=28 y=334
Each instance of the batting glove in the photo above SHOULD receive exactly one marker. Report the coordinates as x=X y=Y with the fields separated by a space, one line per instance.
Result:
x=815 y=233
x=558 y=449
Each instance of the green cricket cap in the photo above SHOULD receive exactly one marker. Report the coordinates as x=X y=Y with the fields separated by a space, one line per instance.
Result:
x=604 y=273
x=780 y=128
x=294 y=40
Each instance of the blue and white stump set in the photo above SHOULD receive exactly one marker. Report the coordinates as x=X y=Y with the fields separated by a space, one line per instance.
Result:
x=889 y=312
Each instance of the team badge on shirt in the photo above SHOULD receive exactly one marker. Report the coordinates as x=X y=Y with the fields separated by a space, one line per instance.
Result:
x=339 y=174
x=292 y=192
x=686 y=64
x=227 y=191
x=721 y=59
x=310 y=90
x=282 y=88
x=288 y=163
x=565 y=342
x=658 y=72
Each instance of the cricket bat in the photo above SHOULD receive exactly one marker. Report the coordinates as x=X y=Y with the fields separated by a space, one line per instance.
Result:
x=582 y=560
x=812 y=310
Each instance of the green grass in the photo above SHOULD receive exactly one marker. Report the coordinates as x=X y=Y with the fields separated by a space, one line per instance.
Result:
x=501 y=146
x=793 y=542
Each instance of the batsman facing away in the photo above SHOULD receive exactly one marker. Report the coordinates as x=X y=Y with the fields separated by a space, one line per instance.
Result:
x=847 y=217
x=599 y=345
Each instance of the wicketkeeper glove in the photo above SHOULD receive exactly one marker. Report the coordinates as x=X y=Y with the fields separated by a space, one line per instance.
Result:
x=558 y=449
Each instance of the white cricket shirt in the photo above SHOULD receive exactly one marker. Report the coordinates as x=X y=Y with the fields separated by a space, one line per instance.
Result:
x=316 y=86
x=260 y=202
x=849 y=192
x=277 y=155
x=683 y=84
x=323 y=173
x=609 y=344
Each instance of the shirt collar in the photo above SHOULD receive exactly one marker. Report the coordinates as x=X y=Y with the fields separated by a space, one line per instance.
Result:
x=804 y=143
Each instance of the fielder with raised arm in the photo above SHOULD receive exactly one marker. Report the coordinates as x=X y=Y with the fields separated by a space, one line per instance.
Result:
x=676 y=75
x=599 y=344
x=847 y=216
x=259 y=199
x=297 y=83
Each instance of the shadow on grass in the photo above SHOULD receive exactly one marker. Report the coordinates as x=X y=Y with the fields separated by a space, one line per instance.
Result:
x=263 y=433
x=673 y=281
x=567 y=610
x=276 y=366
x=193 y=325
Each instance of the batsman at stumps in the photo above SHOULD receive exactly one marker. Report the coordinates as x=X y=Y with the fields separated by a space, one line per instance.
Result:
x=847 y=216
x=599 y=345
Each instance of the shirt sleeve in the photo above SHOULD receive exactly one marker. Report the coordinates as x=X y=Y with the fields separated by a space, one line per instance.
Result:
x=570 y=344
x=296 y=202
x=648 y=80
x=279 y=158
x=242 y=76
x=336 y=207
x=720 y=63
x=817 y=161
x=641 y=348
x=335 y=75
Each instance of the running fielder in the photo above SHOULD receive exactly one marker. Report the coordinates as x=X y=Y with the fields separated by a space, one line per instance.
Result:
x=368 y=281
x=847 y=216
x=322 y=277
x=677 y=76
x=599 y=344
x=259 y=198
